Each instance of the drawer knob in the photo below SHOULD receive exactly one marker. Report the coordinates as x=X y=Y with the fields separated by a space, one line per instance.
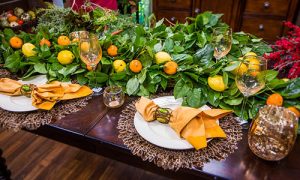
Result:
x=267 y=4
x=173 y=19
x=197 y=10
x=261 y=27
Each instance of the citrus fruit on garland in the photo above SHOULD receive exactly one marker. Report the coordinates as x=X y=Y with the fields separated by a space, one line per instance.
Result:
x=162 y=57
x=84 y=46
x=119 y=65
x=275 y=99
x=294 y=110
x=45 y=42
x=135 y=66
x=112 y=50
x=240 y=69
x=27 y=50
x=63 y=41
x=216 y=83
x=65 y=57
x=250 y=54
x=170 y=68
x=16 y=42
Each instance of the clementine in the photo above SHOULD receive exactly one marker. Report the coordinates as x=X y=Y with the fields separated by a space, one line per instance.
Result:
x=275 y=99
x=170 y=67
x=294 y=110
x=135 y=66
x=16 y=42
x=63 y=40
x=46 y=42
x=112 y=50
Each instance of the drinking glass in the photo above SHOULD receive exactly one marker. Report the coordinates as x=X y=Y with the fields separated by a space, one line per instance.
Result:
x=113 y=96
x=273 y=133
x=90 y=51
x=250 y=78
x=90 y=54
x=221 y=40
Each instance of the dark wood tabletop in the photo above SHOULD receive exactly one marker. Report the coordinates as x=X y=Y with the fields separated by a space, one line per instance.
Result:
x=94 y=129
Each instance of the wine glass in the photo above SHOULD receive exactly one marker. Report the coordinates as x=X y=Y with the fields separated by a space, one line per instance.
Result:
x=90 y=51
x=250 y=78
x=221 y=40
x=90 y=54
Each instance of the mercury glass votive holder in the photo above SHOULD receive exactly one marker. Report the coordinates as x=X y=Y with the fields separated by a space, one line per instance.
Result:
x=273 y=132
x=113 y=96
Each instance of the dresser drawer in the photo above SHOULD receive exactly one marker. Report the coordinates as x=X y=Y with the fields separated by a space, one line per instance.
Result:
x=173 y=16
x=174 y=4
x=267 y=7
x=269 y=29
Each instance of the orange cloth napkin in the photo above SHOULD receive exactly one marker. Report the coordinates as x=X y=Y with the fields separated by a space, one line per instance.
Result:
x=146 y=108
x=45 y=96
x=192 y=124
x=10 y=87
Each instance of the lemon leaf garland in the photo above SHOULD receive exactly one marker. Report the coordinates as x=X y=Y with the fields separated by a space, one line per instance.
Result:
x=187 y=45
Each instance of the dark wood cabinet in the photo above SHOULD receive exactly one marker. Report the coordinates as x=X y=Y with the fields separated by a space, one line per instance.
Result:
x=262 y=18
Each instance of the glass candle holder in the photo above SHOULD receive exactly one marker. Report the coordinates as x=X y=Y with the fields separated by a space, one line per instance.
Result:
x=273 y=133
x=113 y=96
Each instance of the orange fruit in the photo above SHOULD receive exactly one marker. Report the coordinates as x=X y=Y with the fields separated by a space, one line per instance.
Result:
x=16 y=42
x=63 y=40
x=135 y=66
x=112 y=50
x=295 y=110
x=12 y=19
x=275 y=99
x=45 y=41
x=170 y=68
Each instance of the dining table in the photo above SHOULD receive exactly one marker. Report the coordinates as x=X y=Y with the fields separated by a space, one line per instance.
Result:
x=94 y=129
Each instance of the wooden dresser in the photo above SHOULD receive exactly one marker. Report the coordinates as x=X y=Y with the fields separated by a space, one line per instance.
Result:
x=260 y=17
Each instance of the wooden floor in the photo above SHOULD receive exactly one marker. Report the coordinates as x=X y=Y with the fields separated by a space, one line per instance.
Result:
x=33 y=157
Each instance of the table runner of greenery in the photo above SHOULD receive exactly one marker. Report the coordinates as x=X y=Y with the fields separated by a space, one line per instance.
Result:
x=189 y=45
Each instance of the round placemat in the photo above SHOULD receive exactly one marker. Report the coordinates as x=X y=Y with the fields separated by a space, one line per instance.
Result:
x=34 y=119
x=217 y=149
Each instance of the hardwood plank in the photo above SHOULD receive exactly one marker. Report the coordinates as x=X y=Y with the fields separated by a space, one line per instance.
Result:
x=31 y=157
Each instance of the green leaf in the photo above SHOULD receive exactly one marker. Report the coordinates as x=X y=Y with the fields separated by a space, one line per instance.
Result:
x=68 y=70
x=118 y=76
x=292 y=90
x=164 y=83
x=168 y=45
x=203 y=57
x=143 y=91
x=234 y=102
x=213 y=98
x=225 y=78
x=142 y=76
x=13 y=62
x=201 y=39
x=132 y=86
x=232 y=66
x=182 y=88
x=195 y=98
x=40 y=68
x=182 y=59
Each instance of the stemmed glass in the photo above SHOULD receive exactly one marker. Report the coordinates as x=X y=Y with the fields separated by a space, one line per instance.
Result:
x=90 y=51
x=250 y=78
x=90 y=54
x=221 y=40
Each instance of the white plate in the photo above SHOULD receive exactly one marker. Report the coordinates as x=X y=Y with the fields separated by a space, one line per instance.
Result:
x=21 y=103
x=162 y=134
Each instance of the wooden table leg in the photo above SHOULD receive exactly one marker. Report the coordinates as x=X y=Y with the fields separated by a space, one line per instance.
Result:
x=4 y=172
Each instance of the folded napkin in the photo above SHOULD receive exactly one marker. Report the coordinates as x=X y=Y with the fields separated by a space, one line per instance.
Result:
x=45 y=96
x=194 y=125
